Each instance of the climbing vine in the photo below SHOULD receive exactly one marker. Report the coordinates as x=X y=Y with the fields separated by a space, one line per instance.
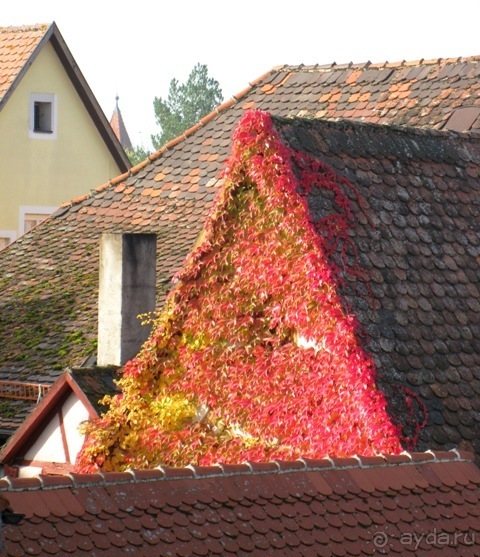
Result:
x=254 y=356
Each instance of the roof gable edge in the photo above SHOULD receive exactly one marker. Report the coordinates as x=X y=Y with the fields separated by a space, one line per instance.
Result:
x=88 y=98
x=18 y=78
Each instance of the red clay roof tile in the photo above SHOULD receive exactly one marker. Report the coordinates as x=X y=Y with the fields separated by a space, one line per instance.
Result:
x=17 y=44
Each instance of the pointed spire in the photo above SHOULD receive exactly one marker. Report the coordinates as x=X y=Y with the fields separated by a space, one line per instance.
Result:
x=118 y=126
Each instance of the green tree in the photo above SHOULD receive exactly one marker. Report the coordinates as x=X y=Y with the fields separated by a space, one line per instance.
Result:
x=137 y=154
x=186 y=104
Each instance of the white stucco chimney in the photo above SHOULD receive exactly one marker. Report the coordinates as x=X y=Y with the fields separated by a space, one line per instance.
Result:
x=126 y=290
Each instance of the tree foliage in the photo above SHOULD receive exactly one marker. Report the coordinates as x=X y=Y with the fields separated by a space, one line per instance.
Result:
x=137 y=154
x=254 y=357
x=186 y=104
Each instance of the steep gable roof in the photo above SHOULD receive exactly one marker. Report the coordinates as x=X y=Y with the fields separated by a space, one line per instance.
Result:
x=19 y=46
x=45 y=329
x=118 y=126
x=419 y=503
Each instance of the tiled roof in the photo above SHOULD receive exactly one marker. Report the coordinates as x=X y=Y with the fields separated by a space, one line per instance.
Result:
x=13 y=414
x=418 y=504
x=420 y=94
x=421 y=252
x=96 y=383
x=17 y=44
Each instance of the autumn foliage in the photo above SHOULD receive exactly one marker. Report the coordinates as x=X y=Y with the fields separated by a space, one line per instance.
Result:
x=255 y=356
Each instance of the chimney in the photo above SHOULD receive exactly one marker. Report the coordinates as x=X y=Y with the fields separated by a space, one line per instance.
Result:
x=126 y=289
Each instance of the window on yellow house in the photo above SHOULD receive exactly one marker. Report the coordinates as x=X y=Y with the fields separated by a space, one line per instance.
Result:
x=43 y=116
x=31 y=215
x=31 y=220
x=6 y=237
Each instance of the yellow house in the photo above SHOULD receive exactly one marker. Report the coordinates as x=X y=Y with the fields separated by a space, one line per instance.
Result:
x=55 y=141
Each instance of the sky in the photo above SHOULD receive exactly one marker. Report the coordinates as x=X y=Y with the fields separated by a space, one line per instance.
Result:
x=134 y=49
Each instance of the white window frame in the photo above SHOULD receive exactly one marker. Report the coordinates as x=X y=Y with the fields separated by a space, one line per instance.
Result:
x=43 y=98
x=10 y=234
x=34 y=209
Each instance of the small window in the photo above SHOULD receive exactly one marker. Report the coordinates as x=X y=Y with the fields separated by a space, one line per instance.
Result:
x=6 y=237
x=31 y=220
x=42 y=116
x=31 y=215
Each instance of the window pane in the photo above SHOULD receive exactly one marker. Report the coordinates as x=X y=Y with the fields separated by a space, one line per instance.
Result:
x=31 y=220
x=42 y=117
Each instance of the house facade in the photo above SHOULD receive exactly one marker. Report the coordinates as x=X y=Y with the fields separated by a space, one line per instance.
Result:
x=55 y=140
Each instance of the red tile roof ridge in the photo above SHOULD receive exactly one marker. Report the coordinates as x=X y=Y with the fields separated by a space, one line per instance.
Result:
x=23 y=28
x=21 y=484
x=260 y=78
x=369 y=64
x=50 y=482
x=115 y=181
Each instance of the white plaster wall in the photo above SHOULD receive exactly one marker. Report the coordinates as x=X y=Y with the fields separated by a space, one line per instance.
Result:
x=74 y=413
x=49 y=446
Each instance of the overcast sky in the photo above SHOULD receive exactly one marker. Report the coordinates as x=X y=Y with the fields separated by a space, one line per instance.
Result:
x=135 y=48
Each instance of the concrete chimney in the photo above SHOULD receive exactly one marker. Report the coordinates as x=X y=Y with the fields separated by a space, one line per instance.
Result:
x=126 y=290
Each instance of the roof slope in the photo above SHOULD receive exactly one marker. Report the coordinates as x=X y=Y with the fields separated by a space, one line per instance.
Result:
x=19 y=46
x=422 y=94
x=421 y=259
x=423 y=504
x=48 y=303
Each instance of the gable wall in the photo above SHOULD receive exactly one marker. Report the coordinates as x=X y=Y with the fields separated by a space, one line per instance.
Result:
x=45 y=172
x=49 y=447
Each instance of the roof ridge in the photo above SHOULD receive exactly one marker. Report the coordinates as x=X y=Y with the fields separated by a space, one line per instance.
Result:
x=49 y=482
x=376 y=65
x=23 y=28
